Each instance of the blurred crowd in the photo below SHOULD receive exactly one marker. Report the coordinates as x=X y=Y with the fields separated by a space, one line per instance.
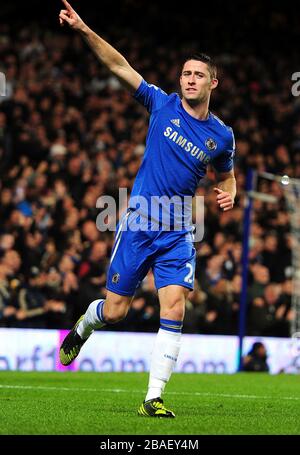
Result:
x=69 y=133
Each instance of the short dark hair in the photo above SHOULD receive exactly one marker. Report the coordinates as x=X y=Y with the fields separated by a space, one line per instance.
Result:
x=212 y=67
x=256 y=346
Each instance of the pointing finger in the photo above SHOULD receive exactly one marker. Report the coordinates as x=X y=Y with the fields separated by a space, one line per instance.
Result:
x=68 y=6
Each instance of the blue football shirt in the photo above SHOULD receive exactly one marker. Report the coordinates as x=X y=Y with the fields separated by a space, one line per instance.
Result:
x=178 y=149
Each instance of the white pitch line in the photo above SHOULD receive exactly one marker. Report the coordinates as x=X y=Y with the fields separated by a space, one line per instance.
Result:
x=204 y=394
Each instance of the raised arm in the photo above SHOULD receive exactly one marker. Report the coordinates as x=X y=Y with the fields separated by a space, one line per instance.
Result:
x=107 y=55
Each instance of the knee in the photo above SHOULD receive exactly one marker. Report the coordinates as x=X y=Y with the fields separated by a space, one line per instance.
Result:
x=114 y=316
x=115 y=312
x=174 y=310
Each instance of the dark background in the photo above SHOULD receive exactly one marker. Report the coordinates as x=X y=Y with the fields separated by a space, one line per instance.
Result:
x=62 y=95
x=235 y=26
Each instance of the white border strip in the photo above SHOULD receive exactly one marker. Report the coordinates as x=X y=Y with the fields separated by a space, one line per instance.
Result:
x=201 y=394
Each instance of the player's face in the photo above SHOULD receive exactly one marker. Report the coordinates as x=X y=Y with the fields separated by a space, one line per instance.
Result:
x=195 y=82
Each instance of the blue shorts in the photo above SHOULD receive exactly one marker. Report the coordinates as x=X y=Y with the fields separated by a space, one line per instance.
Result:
x=170 y=254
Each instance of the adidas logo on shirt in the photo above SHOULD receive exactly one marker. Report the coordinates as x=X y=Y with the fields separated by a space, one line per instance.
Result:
x=176 y=122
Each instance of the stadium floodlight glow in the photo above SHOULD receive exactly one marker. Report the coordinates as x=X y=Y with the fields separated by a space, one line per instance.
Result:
x=285 y=180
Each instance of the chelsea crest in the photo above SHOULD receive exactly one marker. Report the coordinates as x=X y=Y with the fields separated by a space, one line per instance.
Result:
x=211 y=144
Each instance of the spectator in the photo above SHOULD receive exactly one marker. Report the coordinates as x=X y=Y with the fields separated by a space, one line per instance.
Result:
x=264 y=316
x=256 y=359
x=30 y=305
x=6 y=309
x=260 y=277
x=92 y=274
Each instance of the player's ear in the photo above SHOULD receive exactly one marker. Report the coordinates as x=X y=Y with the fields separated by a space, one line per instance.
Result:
x=214 y=83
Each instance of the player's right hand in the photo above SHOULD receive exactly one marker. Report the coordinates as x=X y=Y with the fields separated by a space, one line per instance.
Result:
x=70 y=17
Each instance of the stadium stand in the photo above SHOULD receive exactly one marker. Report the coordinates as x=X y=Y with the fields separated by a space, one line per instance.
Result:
x=69 y=134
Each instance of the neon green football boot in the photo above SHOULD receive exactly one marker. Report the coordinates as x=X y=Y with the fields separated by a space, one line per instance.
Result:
x=155 y=408
x=71 y=345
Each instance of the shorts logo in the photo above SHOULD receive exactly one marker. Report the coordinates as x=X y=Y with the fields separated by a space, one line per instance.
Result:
x=211 y=144
x=115 y=278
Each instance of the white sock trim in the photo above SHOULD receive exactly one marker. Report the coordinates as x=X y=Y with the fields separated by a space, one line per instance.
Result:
x=91 y=320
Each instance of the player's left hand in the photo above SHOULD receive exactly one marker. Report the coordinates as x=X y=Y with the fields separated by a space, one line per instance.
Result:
x=224 y=199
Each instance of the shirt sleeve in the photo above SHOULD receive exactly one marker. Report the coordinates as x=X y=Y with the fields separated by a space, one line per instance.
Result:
x=224 y=162
x=150 y=96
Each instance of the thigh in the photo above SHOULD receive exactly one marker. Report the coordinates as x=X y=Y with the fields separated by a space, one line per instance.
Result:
x=130 y=261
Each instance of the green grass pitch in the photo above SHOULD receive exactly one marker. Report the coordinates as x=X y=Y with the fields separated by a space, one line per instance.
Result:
x=78 y=403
